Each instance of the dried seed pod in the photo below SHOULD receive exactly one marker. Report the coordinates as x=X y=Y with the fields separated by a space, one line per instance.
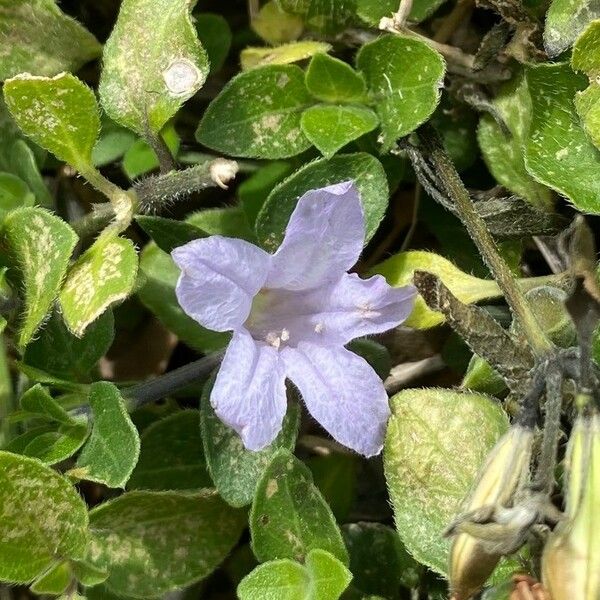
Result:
x=571 y=559
x=472 y=561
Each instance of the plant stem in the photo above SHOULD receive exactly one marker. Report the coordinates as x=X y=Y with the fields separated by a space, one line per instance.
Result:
x=166 y=161
x=164 y=385
x=478 y=231
x=95 y=178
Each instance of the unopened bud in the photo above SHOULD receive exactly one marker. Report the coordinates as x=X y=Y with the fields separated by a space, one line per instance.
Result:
x=472 y=560
x=571 y=559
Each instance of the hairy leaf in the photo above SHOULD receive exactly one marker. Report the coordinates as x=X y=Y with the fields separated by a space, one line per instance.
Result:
x=332 y=80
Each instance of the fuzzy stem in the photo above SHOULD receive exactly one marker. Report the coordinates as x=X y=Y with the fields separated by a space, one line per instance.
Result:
x=163 y=153
x=103 y=185
x=157 y=191
x=164 y=385
x=478 y=231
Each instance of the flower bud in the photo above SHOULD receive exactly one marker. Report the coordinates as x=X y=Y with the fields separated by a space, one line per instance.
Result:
x=472 y=561
x=571 y=559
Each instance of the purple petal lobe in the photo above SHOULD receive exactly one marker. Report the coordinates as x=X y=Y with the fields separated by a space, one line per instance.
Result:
x=323 y=239
x=342 y=392
x=249 y=391
x=219 y=278
x=332 y=314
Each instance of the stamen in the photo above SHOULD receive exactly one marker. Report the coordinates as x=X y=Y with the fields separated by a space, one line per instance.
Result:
x=273 y=339
x=319 y=327
x=285 y=335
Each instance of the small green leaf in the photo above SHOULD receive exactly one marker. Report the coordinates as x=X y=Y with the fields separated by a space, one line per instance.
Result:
x=155 y=542
x=257 y=114
x=322 y=577
x=168 y=233
x=565 y=20
x=215 y=35
x=230 y=222
x=158 y=296
x=374 y=353
x=505 y=155
x=59 y=113
x=39 y=38
x=14 y=193
x=235 y=470
x=330 y=128
x=289 y=517
x=372 y=11
x=366 y=172
x=58 y=352
x=55 y=581
x=252 y=58
x=103 y=275
x=42 y=517
x=41 y=244
x=404 y=77
x=112 y=451
x=399 y=270
x=332 y=80
x=113 y=143
x=37 y=401
x=558 y=153
x=378 y=560
x=323 y=16
x=23 y=163
x=50 y=444
x=157 y=35
x=87 y=574
x=171 y=457
x=585 y=57
x=276 y=26
x=436 y=441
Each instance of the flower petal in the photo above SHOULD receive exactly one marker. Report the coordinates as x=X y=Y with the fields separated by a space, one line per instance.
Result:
x=323 y=239
x=249 y=391
x=342 y=392
x=333 y=314
x=219 y=278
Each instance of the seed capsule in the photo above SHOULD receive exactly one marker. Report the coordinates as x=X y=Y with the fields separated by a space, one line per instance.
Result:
x=505 y=469
x=571 y=559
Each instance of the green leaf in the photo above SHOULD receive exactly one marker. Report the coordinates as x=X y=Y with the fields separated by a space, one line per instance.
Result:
x=558 y=153
x=23 y=163
x=235 y=470
x=37 y=401
x=113 y=143
x=372 y=11
x=257 y=114
x=103 y=275
x=378 y=560
x=112 y=451
x=399 y=270
x=230 y=222
x=324 y=16
x=366 y=172
x=171 y=457
x=50 y=444
x=330 y=128
x=585 y=57
x=88 y=574
x=159 y=37
x=58 y=352
x=404 y=77
x=332 y=80
x=41 y=244
x=39 y=38
x=59 y=113
x=155 y=542
x=374 y=353
x=168 y=233
x=158 y=296
x=289 y=517
x=436 y=441
x=14 y=193
x=252 y=58
x=43 y=516
x=565 y=20
x=322 y=577
x=55 y=581
x=215 y=35
x=505 y=155
x=276 y=26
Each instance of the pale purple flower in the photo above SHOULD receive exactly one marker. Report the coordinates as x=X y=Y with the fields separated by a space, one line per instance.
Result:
x=291 y=314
